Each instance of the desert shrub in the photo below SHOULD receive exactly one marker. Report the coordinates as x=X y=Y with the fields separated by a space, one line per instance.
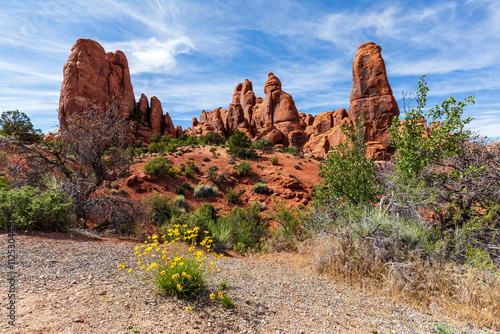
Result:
x=274 y=161
x=188 y=173
x=290 y=231
x=4 y=183
x=205 y=159
x=180 y=190
x=244 y=168
x=122 y=192
x=206 y=191
x=31 y=209
x=346 y=173
x=417 y=147
x=296 y=167
x=187 y=186
x=161 y=208
x=231 y=195
x=213 y=150
x=156 y=138
x=240 y=145
x=240 y=229
x=159 y=166
x=263 y=144
x=154 y=148
x=192 y=165
x=231 y=161
x=260 y=188
x=212 y=138
x=180 y=202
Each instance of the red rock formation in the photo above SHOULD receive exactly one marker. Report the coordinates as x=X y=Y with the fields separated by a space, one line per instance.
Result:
x=143 y=108
x=372 y=96
x=156 y=115
x=94 y=78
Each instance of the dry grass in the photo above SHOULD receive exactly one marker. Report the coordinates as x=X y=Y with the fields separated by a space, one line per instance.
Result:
x=439 y=287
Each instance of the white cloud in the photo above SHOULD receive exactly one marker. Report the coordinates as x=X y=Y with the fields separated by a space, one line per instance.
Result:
x=152 y=55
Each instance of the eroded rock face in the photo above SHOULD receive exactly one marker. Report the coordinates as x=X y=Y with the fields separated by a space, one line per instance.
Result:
x=371 y=96
x=94 y=78
x=275 y=117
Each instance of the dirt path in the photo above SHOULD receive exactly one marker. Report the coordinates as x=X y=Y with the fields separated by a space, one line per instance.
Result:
x=69 y=283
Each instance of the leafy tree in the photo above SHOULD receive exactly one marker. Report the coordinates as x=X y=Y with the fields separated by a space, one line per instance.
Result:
x=240 y=145
x=18 y=124
x=346 y=172
x=417 y=147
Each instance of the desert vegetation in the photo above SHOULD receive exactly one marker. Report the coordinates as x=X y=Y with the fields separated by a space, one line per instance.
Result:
x=423 y=227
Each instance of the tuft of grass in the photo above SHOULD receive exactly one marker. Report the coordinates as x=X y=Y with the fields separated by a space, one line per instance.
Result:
x=225 y=300
x=274 y=161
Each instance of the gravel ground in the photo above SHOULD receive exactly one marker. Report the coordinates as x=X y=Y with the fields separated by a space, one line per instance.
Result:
x=69 y=283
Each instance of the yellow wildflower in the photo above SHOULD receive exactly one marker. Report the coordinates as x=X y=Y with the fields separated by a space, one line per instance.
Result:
x=188 y=308
x=162 y=273
x=212 y=296
x=130 y=270
x=221 y=294
x=179 y=287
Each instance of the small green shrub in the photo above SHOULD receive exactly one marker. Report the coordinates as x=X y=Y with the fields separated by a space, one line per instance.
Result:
x=188 y=173
x=263 y=144
x=296 y=166
x=195 y=168
x=225 y=300
x=231 y=195
x=4 y=183
x=244 y=168
x=156 y=138
x=180 y=190
x=31 y=209
x=274 y=161
x=231 y=161
x=187 y=186
x=180 y=202
x=162 y=210
x=240 y=228
x=212 y=138
x=115 y=185
x=260 y=188
x=122 y=192
x=240 y=146
x=159 y=166
x=206 y=159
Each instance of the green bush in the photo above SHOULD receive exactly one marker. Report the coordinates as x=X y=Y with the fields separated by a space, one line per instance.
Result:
x=193 y=166
x=206 y=159
x=274 y=161
x=180 y=202
x=244 y=168
x=159 y=166
x=188 y=173
x=241 y=229
x=263 y=144
x=231 y=195
x=31 y=209
x=260 y=188
x=240 y=146
x=414 y=148
x=346 y=172
x=162 y=210
x=212 y=138
x=4 y=183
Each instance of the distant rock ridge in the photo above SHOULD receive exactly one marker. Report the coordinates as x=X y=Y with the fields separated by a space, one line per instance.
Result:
x=94 y=78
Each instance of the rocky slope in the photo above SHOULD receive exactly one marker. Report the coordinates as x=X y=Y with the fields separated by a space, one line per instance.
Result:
x=94 y=78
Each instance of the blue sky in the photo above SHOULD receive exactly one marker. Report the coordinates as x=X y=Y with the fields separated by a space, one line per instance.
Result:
x=191 y=54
